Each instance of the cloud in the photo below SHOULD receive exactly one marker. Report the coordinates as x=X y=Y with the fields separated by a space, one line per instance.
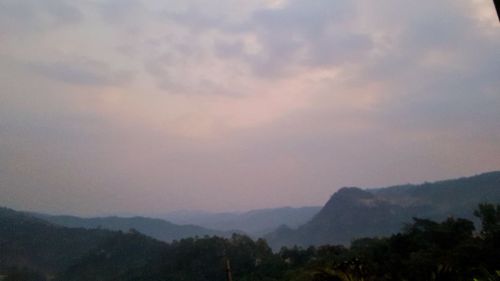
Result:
x=32 y=15
x=278 y=40
x=439 y=66
x=123 y=12
x=304 y=18
x=305 y=34
x=80 y=71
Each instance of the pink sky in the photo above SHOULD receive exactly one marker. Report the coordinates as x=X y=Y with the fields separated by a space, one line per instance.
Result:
x=137 y=106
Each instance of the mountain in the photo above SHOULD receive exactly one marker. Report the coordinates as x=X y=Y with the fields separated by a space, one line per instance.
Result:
x=254 y=222
x=156 y=228
x=36 y=247
x=30 y=242
x=354 y=212
x=456 y=197
x=34 y=243
x=32 y=249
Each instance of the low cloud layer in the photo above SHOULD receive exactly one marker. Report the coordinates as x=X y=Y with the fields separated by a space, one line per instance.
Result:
x=150 y=106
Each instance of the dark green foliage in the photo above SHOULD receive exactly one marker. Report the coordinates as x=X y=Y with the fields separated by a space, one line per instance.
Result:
x=490 y=219
x=135 y=257
x=22 y=274
x=204 y=259
x=117 y=258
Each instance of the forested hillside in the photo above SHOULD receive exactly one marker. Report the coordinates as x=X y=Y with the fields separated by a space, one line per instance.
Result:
x=29 y=242
x=353 y=213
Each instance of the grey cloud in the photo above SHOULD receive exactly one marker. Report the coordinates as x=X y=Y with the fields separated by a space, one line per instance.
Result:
x=63 y=12
x=275 y=58
x=285 y=34
x=169 y=78
x=230 y=49
x=163 y=68
x=120 y=11
x=456 y=95
x=80 y=71
x=305 y=18
x=421 y=28
x=196 y=20
x=200 y=16
x=301 y=34
x=440 y=27
x=339 y=48
x=171 y=66
x=34 y=15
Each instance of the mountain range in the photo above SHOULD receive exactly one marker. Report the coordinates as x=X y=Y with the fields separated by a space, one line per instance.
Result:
x=156 y=228
x=183 y=224
x=254 y=223
x=112 y=248
x=353 y=212
x=349 y=214
x=29 y=244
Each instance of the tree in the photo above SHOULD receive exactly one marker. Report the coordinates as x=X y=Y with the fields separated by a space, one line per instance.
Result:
x=490 y=219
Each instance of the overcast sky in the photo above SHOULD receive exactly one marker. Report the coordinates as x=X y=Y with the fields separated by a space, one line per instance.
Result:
x=151 y=106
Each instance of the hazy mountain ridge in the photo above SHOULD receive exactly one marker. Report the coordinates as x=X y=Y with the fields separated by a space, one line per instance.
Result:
x=255 y=222
x=457 y=197
x=156 y=228
x=77 y=254
x=353 y=212
x=35 y=243
x=38 y=250
x=35 y=250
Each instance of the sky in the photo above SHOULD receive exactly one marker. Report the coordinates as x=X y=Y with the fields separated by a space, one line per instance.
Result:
x=150 y=106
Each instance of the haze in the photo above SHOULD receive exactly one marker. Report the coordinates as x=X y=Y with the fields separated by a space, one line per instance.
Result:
x=141 y=107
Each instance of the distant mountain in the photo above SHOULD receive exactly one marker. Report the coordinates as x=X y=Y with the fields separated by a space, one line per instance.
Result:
x=156 y=228
x=255 y=222
x=354 y=213
x=439 y=200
